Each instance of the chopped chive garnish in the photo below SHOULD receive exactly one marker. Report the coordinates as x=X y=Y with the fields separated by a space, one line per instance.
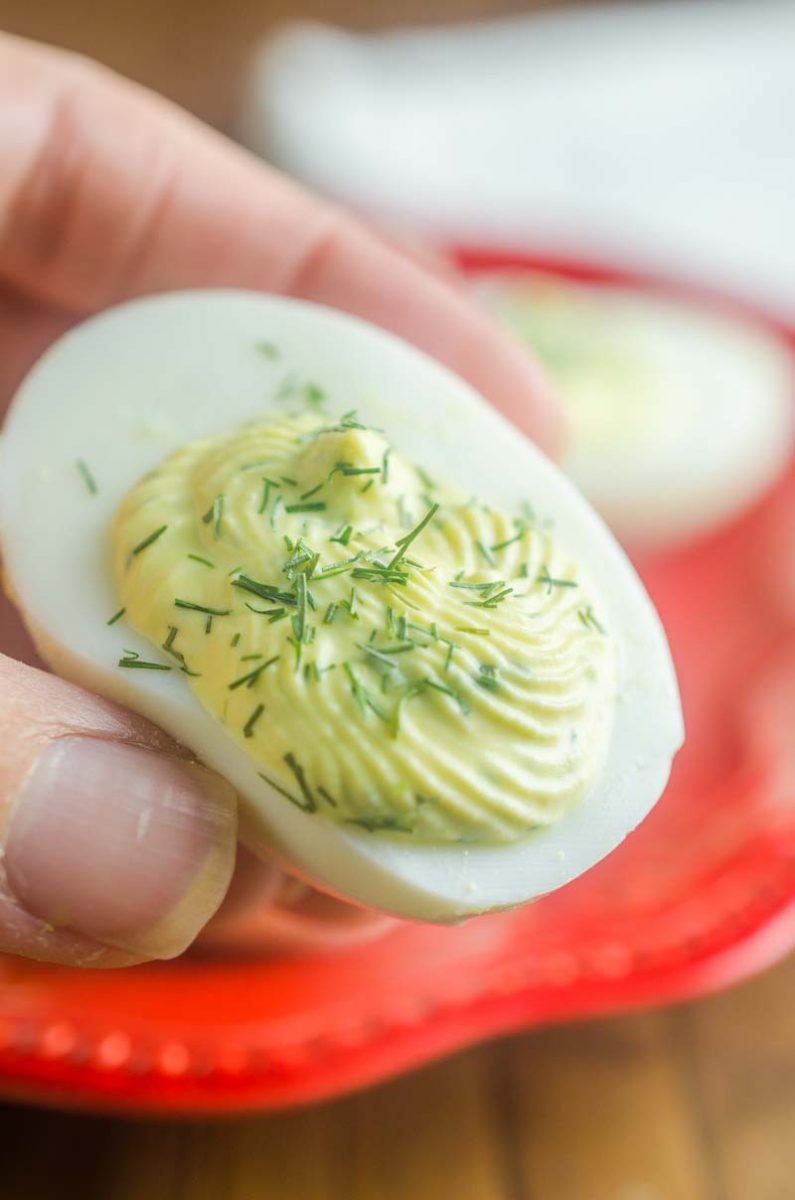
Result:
x=312 y=506
x=343 y=535
x=524 y=571
x=477 y=587
x=313 y=491
x=235 y=639
x=484 y=550
x=331 y=613
x=377 y=655
x=208 y=624
x=251 y=678
x=425 y=478
x=588 y=619
x=299 y=620
x=215 y=514
x=204 y=561
x=327 y=797
x=248 y=728
x=116 y=616
x=472 y=629
x=147 y=541
x=491 y=600
x=268 y=350
x=385 y=465
x=451 y=692
x=363 y=698
x=88 y=478
x=377 y=573
x=249 y=657
x=451 y=647
x=404 y=542
x=172 y=633
x=288 y=481
x=267 y=484
x=264 y=590
x=349 y=469
x=274 y=614
x=487 y=677
x=366 y=487
x=546 y=578
x=282 y=792
x=509 y=541
x=141 y=664
x=202 y=608
x=309 y=804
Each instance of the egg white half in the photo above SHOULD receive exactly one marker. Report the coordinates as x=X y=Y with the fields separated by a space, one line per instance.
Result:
x=704 y=424
x=128 y=387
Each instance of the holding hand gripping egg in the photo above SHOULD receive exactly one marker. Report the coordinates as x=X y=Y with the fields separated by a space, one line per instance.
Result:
x=327 y=566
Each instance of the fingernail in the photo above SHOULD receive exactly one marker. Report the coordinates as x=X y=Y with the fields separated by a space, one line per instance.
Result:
x=120 y=844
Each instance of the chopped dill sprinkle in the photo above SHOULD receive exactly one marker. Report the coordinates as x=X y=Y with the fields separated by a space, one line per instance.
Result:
x=451 y=647
x=390 y=619
x=451 y=692
x=363 y=698
x=311 y=673
x=202 y=608
x=400 y=648
x=588 y=619
x=312 y=506
x=510 y=541
x=309 y=804
x=172 y=633
x=313 y=491
x=204 y=561
x=338 y=568
x=249 y=657
x=484 y=550
x=545 y=577
x=473 y=629
x=116 y=616
x=267 y=484
x=477 y=587
x=385 y=465
x=348 y=421
x=331 y=613
x=378 y=573
x=299 y=620
x=264 y=590
x=487 y=677
x=131 y=659
x=88 y=478
x=251 y=678
x=253 y=466
x=425 y=479
x=147 y=541
x=366 y=487
x=491 y=599
x=524 y=571
x=380 y=824
x=327 y=797
x=208 y=624
x=288 y=481
x=343 y=535
x=402 y=627
x=282 y=792
x=248 y=728
x=268 y=350
x=404 y=542
x=346 y=468
x=235 y=639
x=215 y=514
x=378 y=655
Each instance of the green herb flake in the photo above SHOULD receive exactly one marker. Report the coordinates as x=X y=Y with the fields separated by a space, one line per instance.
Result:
x=309 y=804
x=248 y=728
x=202 y=608
x=550 y=581
x=589 y=621
x=148 y=541
x=87 y=477
x=204 y=561
x=404 y=542
x=251 y=677
x=117 y=616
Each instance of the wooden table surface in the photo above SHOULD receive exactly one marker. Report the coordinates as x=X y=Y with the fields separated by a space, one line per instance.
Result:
x=693 y=1103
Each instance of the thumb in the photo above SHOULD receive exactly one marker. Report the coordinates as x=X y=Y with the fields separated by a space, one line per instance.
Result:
x=114 y=846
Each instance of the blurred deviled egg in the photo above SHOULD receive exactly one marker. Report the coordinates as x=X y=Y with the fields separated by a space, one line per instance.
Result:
x=325 y=564
x=680 y=416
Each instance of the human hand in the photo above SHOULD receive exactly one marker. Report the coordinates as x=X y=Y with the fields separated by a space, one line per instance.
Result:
x=114 y=846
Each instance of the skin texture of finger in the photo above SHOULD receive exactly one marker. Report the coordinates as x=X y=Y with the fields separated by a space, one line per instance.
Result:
x=114 y=846
x=146 y=199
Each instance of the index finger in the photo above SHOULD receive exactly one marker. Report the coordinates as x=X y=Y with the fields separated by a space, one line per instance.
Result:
x=108 y=191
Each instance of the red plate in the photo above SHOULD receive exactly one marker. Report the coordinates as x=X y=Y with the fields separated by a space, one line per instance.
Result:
x=702 y=895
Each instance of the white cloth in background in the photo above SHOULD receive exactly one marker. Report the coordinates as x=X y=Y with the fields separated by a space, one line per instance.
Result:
x=659 y=136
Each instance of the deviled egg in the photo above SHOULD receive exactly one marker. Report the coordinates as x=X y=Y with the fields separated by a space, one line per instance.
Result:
x=680 y=417
x=327 y=566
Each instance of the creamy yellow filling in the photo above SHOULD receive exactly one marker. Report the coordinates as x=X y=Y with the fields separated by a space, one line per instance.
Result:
x=390 y=652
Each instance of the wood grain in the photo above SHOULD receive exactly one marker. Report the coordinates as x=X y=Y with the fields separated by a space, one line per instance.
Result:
x=693 y=1103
